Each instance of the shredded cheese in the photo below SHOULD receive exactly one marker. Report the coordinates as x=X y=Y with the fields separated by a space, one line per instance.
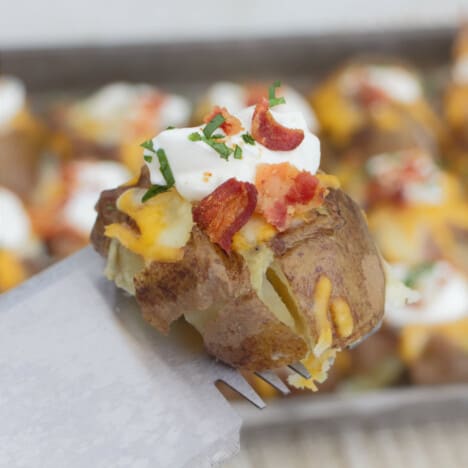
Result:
x=12 y=271
x=322 y=294
x=414 y=338
x=342 y=317
x=165 y=223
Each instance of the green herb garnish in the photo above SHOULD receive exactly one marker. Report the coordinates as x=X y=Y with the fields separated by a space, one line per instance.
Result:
x=237 y=152
x=171 y=127
x=248 y=138
x=213 y=124
x=153 y=191
x=164 y=167
x=148 y=144
x=148 y=158
x=195 y=136
x=415 y=274
x=274 y=101
x=222 y=149
x=217 y=136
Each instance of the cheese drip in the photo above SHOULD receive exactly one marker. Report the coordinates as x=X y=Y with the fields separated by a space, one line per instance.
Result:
x=165 y=223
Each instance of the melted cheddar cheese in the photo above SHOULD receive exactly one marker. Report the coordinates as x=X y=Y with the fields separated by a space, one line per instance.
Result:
x=402 y=232
x=12 y=271
x=164 y=221
x=322 y=294
x=319 y=361
x=318 y=368
x=254 y=233
x=414 y=338
x=342 y=317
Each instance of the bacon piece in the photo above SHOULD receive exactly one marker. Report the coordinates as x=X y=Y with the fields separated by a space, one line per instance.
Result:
x=231 y=124
x=268 y=132
x=147 y=119
x=255 y=93
x=222 y=213
x=284 y=190
x=369 y=95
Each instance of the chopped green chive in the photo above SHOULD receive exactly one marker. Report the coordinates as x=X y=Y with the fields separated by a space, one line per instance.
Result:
x=217 y=136
x=171 y=127
x=248 y=138
x=195 y=137
x=274 y=101
x=416 y=273
x=148 y=144
x=164 y=167
x=153 y=191
x=212 y=125
x=223 y=150
x=237 y=152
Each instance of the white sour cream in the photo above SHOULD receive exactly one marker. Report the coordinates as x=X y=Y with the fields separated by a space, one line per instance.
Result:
x=90 y=179
x=15 y=225
x=389 y=170
x=443 y=297
x=198 y=169
x=396 y=82
x=12 y=99
x=233 y=97
x=117 y=104
x=460 y=70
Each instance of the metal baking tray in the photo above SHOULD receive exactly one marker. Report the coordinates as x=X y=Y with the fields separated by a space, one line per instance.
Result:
x=188 y=68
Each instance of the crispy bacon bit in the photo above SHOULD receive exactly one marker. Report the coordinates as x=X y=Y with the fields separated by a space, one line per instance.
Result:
x=148 y=114
x=268 y=132
x=369 y=95
x=222 y=213
x=284 y=191
x=231 y=125
x=255 y=93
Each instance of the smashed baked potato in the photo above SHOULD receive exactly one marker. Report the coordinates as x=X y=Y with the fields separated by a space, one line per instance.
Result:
x=271 y=269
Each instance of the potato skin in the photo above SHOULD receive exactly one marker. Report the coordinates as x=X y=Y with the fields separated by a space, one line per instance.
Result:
x=441 y=362
x=339 y=246
x=19 y=163
x=243 y=332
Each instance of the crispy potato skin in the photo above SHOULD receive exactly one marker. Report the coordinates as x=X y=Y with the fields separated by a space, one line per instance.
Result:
x=108 y=213
x=19 y=163
x=243 y=332
x=442 y=362
x=337 y=245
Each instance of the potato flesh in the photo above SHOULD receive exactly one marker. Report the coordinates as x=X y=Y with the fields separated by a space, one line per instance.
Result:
x=258 y=261
x=122 y=266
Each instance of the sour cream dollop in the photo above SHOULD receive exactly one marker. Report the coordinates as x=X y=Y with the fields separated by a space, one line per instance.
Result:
x=116 y=105
x=396 y=82
x=412 y=172
x=234 y=97
x=198 y=169
x=15 y=230
x=443 y=297
x=90 y=178
x=12 y=99
x=460 y=70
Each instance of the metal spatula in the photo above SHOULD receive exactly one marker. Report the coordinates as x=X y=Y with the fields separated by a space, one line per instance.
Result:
x=85 y=382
